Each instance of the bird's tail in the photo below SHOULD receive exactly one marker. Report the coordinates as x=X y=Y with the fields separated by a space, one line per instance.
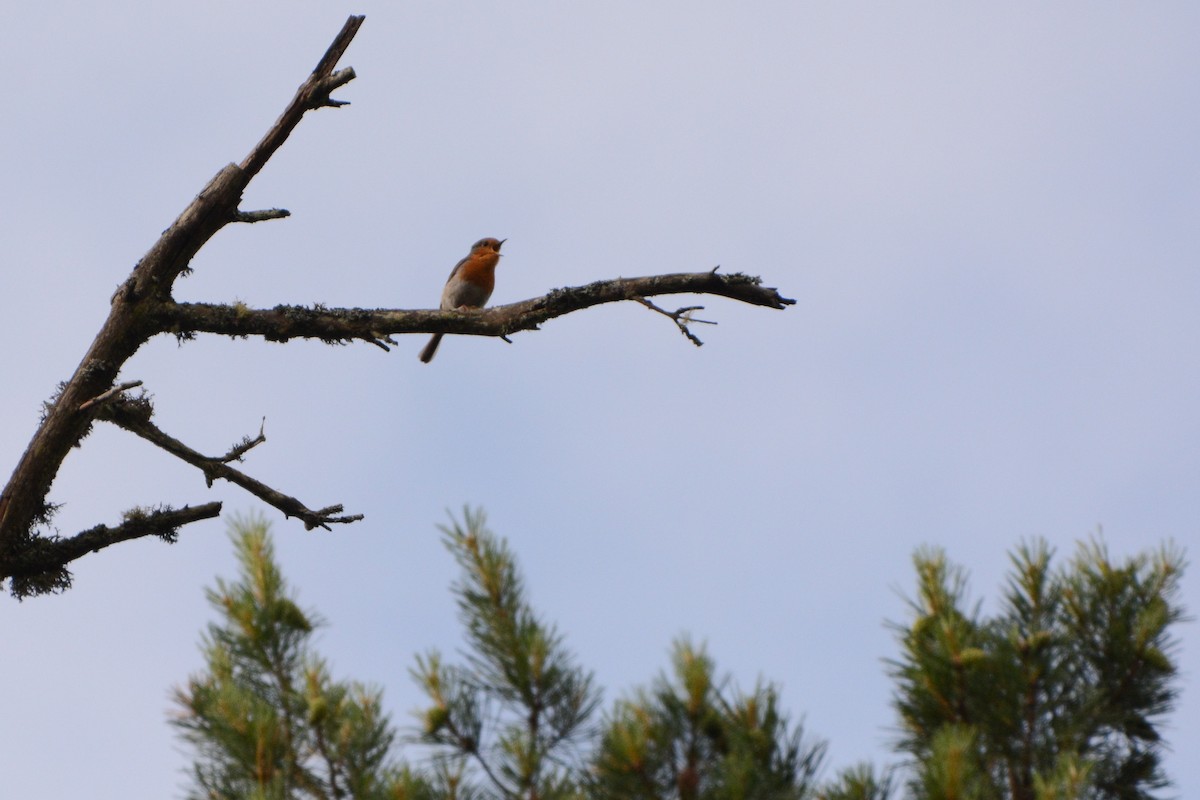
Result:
x=431 y=348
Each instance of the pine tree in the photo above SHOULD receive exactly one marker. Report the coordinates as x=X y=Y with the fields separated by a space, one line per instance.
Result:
x=509 y=722
x=1059 y=695
x=692 y=736
x=265 y=718
x=860 y=782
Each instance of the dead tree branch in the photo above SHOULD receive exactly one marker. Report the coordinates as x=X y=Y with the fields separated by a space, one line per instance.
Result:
x=339 y=325
x=143 y=307
x=312 y=94
x=42 y=566
x=134 y=416
x=23 y=503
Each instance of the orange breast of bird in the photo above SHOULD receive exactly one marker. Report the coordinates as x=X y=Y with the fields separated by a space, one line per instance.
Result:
x=481 y=270
x=475 y=279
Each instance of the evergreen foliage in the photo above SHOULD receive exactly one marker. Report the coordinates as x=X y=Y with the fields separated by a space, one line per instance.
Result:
x=1059 y=695
x=860 y=782
x=265 y=718
x=692 y=736
x=517 y=710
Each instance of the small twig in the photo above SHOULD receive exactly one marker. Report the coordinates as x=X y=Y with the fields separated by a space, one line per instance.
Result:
x=109 y=395
x=381 y=340
x=260 y=216
x=245 y=445
x=321 y=98
x=681 y=317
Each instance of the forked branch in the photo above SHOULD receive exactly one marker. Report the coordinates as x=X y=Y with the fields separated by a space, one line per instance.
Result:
x=23 y=502
x=134 y=415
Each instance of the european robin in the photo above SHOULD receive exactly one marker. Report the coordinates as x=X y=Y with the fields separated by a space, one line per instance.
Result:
x=470 y=284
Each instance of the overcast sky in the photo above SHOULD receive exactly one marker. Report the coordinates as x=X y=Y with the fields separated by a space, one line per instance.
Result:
x=988 y=217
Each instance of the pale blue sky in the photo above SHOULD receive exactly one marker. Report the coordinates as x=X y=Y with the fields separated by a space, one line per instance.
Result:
x=988 y=217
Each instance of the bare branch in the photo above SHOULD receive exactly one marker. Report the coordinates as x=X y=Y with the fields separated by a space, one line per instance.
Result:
x=313 y=93
x=338 y=325
x=42 y=566
x=134 y=416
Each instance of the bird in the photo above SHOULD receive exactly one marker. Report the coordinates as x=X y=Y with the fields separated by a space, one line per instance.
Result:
x=470 y=284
